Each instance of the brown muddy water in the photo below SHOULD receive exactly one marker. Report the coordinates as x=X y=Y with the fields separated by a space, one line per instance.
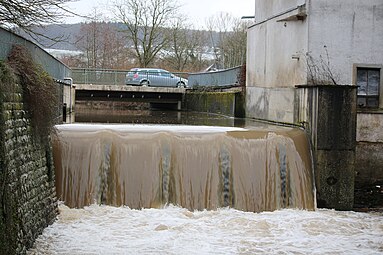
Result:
x=191 y=164
x=192 y=183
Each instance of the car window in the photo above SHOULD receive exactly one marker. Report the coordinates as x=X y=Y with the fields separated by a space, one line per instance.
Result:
x=166 y=74
x=153 y=72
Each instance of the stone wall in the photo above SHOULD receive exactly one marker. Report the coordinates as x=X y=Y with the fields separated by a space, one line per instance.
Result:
x=27 y=190
x=230 y=103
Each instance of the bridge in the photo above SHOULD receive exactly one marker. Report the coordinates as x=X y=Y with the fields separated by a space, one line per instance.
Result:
x=157 y=95
x=109 y=85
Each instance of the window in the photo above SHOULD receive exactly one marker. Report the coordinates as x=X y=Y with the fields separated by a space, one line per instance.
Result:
x=368 y=80
x=153 y=72
x=166 y=74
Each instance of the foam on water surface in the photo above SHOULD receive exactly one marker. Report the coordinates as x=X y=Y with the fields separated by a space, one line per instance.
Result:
x=175 y=230
x=140 y=128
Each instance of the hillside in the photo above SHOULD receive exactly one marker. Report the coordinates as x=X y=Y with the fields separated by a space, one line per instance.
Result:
x=63 y=35
x=67 y=34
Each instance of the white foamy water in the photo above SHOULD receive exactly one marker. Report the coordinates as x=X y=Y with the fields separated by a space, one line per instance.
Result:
x=141 y=128
x=174 y=230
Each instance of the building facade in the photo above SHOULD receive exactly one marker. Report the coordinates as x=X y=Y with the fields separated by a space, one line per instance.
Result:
x=342 y=39
x=320 y=42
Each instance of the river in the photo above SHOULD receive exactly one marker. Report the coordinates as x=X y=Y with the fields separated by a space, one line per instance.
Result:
x=150 y=223
x=174 y=230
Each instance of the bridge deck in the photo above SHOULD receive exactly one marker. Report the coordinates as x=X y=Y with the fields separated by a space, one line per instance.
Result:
x=166 y=95
x=126 y=88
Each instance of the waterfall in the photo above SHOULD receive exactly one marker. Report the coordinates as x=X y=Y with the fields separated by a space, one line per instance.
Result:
x=193 y=167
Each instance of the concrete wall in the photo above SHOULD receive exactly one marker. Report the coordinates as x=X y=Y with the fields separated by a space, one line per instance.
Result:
x=351 y=32
x=266 y=9
x=69 y=97
x=271 y=48
x=275 y=45
x=369 y=156
x=329 y=114
x=227 y=103
x=275 y=104
x=342 y=34
x=370 y=127
x=27 y=195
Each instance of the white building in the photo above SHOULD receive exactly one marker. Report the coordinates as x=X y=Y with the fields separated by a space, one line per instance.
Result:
x=344 y=35
x=303 y=42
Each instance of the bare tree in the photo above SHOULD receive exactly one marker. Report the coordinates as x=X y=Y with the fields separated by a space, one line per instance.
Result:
x=176 y=54
x=114 y=54
x=320 y=71
x=228 y=39
x=196 y=50
x=145 y=22
x=89 y=40
x=27 y=15
x=234 y=44
x=185 y=46
x=102 y=44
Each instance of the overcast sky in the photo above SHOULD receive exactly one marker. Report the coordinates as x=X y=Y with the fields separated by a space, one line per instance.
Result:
x=197 y=10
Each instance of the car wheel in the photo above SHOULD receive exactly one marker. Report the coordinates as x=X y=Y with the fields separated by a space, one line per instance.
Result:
x=144 y=83
x=180 y=85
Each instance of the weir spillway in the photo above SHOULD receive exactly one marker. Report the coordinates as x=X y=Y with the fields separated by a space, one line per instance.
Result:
x=196 y=167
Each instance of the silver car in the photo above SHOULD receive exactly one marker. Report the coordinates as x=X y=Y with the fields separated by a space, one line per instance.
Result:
x=154 y=77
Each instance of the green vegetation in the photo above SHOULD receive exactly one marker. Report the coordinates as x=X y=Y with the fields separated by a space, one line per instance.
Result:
x=40 y=92
x=24 y=88
x=205 y=100
x=7 y=80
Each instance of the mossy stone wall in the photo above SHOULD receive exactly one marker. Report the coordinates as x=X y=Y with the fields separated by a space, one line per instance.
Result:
x=229 y=103
x=28 y=201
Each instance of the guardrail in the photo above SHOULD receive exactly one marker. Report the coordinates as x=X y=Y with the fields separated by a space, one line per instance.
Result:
x=228 y=77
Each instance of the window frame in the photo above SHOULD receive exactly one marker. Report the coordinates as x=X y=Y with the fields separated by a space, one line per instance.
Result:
x=380 y=90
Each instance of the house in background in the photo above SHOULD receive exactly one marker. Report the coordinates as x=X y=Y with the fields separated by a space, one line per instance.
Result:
x=322 y=42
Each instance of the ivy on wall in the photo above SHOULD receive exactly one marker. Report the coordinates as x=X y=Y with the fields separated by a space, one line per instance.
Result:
x=40 y=92
x=27 y=203
x=4 y=79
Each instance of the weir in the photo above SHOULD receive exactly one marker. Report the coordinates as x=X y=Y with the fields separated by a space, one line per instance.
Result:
x=143 y=166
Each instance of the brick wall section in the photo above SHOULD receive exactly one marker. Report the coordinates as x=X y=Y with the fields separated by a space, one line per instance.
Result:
x=27 y=195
